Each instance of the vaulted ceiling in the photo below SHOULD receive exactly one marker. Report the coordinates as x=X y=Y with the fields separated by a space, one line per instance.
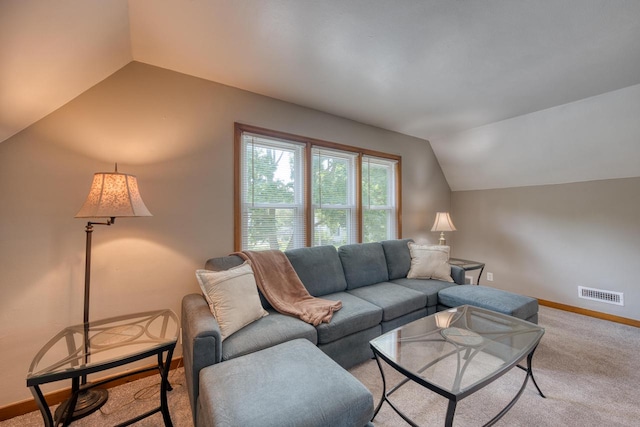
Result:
x=478 y=79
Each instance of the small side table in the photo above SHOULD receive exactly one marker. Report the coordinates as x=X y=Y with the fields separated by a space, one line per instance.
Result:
x=91 y=347
x=468 y=265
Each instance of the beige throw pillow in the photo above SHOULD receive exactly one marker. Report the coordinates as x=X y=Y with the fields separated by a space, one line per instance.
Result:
x=232 y=296
x=429 y=262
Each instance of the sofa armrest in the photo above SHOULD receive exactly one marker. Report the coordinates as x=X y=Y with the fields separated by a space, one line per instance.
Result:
x=457 y=274
x=201 y=342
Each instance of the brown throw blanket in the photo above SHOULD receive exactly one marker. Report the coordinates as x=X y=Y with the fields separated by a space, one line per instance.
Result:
x=281 y=286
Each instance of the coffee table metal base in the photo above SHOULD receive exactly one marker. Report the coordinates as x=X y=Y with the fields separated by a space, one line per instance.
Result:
x=451 y=408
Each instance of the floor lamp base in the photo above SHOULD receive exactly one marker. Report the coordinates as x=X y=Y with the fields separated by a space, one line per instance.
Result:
x=88 y=402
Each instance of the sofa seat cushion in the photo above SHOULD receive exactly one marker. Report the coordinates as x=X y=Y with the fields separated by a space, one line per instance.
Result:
x=363 y=264
x=319 y=269
x=266 y=332
x=293 y=383
x=430 y=287
x=519 y=306
x=355 y=315
x=394 y=300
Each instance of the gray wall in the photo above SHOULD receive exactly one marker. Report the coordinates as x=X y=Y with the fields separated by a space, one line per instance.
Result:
x=545 y=241
x=175 y=132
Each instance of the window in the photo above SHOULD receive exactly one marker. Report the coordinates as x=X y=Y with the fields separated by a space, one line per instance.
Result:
x=292 y=192
x=378 y=199
x=272 y=194
x=334 y=197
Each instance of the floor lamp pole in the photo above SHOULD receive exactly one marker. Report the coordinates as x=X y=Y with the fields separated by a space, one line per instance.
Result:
x=87 y=273
x=92 y=399
x=87 y=265
x=87 y=287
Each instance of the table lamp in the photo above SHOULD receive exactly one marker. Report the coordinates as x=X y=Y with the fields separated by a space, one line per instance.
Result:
x=112 y=195
x=443 y=223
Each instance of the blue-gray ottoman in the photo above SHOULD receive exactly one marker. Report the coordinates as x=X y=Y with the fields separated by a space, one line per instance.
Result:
x=290 y=384
x=520 y=306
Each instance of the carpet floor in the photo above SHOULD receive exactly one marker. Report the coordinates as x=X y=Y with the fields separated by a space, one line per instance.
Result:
x=588 y=369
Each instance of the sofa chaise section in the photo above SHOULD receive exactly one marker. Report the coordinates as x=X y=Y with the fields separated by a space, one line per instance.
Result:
x=516 y=305
x=292 y=384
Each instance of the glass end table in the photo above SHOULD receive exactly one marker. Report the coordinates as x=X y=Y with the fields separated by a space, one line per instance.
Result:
x=468 y=265
x=87 y=348
x=457 y=352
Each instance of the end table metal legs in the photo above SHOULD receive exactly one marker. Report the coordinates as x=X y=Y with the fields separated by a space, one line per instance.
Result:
x=164 y=386
x=42 y=405
x=66 y=413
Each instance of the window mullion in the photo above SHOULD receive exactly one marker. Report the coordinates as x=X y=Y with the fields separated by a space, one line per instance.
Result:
x=359 y=213
x=308 y=184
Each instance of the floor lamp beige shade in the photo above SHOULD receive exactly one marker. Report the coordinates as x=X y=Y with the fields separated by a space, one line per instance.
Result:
x=443 y=223
x=113 y=195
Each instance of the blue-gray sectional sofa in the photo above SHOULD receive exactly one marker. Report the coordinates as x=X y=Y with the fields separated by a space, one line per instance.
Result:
x=371 y=281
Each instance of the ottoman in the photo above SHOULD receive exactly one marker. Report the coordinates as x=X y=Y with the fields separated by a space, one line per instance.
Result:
x=520 y=306
x=290 y=384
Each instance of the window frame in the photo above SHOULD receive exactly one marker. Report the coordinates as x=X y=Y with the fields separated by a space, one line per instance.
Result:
x=310 y=143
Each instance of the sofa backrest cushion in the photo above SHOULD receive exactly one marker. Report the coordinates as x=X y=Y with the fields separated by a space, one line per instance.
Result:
x=398 y=257
x=319 y=269
x=364 y=264
x=223 y=263
x=457 y=274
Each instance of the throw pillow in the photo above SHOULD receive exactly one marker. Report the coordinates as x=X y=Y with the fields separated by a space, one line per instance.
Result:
x=232 y=296
x=429 y=262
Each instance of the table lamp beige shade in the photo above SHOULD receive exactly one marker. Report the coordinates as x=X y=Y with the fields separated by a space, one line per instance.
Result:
x=443 y=223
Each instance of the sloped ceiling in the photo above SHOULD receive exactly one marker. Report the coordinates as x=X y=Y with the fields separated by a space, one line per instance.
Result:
x=438 y=70
x=52 y=51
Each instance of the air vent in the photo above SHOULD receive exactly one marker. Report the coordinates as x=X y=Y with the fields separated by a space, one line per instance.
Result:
x=609 y=297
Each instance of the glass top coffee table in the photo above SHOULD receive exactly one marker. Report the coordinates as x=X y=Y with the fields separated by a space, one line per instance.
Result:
x=456 y=353
x=87 y=348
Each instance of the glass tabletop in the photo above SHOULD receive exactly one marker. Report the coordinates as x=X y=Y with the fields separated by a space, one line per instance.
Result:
x=87 y=346
x=458 y=351
x=466 y=263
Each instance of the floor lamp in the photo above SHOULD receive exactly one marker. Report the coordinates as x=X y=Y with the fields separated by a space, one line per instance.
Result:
x=112 y=195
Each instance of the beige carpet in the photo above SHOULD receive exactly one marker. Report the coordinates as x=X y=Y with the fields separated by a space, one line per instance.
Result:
x=588 y=369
